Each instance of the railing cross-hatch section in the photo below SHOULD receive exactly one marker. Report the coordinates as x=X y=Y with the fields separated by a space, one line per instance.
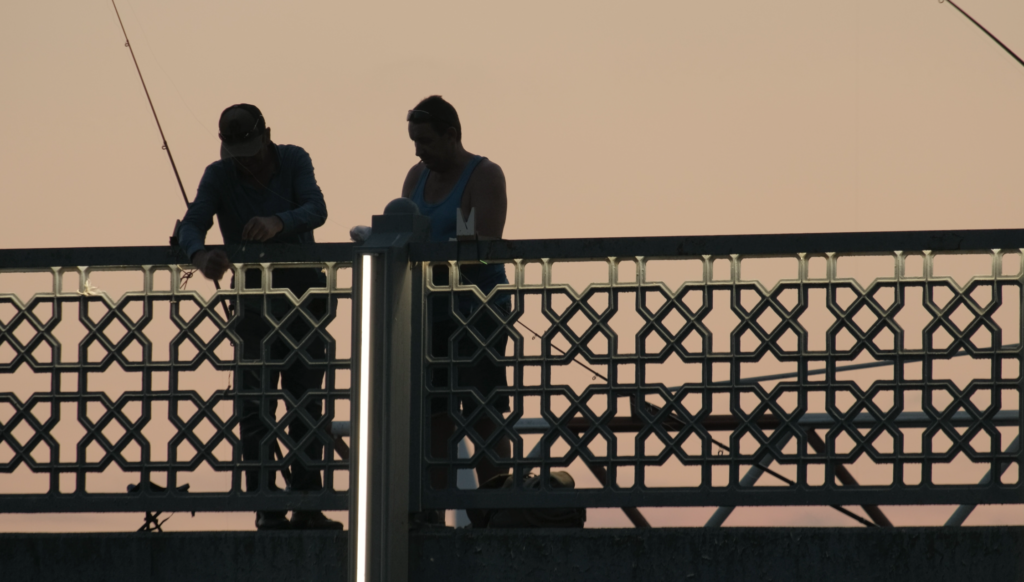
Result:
x=126 y=384
x=846 y=370
x=858 y=369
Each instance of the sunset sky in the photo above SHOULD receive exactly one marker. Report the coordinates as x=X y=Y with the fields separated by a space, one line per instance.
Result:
x=610 y=119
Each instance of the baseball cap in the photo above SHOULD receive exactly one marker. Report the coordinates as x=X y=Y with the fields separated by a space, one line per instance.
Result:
x=241 y=131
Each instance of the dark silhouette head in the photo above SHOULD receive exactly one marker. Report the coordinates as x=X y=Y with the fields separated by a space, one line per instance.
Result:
x=435 y=129
x=438 y=113
x=244 y=136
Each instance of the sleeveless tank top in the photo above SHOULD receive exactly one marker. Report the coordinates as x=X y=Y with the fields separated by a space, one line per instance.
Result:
x=442 y=228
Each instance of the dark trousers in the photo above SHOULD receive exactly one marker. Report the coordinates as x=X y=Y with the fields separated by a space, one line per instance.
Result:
x=255 y=386
x=485 y=375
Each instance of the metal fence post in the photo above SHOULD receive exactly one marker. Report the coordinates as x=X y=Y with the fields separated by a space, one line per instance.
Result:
x=382 y=368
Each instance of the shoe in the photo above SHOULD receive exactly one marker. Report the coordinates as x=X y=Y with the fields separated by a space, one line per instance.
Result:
x=313 y=520
x=272 y=520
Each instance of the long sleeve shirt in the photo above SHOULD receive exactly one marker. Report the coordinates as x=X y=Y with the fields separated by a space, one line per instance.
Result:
x=291 y=195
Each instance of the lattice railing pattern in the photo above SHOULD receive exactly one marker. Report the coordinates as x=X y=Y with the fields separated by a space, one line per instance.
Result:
x=96 y=388
x=669 y=379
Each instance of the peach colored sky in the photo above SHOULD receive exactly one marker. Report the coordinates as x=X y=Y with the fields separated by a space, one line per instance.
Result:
x=610 y=119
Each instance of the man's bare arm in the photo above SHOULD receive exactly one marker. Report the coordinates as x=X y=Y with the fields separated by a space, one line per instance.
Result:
x=487 y=196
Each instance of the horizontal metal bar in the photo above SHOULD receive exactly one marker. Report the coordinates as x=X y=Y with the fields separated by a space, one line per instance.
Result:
x=809 y=420
x=123 y=502
x=587 y=248
x=721 y=245
x=847 y=368
x=168 y=255
x=711 y=497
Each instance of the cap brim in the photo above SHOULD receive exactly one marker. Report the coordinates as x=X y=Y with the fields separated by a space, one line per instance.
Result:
x=243 y=149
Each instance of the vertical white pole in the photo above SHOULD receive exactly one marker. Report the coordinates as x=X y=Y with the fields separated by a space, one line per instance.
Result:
x=363 y=465
x=382 y=399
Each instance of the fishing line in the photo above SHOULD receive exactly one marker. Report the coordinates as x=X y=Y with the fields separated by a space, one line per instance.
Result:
x=715 y=441
x=561 y=351
x=145 y=37
x=985 y=30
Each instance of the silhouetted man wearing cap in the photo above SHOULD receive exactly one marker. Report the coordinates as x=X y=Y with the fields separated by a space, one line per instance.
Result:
x=264 y=192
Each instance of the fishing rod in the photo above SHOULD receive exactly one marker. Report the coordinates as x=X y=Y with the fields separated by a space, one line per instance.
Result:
x=166 y=147
x=985 y=30
x=159 y=128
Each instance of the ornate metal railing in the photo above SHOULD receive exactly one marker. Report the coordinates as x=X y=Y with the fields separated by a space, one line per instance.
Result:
x=848 y=369
x=103 y=389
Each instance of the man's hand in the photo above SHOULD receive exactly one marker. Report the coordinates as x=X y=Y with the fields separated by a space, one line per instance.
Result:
x=262 y=228
x=212 y=264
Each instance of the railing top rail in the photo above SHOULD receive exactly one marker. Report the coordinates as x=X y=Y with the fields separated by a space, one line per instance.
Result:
x=722 y=245
x=568 y=248
x=168 y=255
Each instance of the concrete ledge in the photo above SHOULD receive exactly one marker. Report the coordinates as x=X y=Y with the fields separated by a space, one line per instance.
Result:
x=728 y=554
x=177 y=557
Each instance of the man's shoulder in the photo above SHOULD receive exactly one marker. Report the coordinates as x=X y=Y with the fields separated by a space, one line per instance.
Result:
x=487 y=181
x=411 y=178
x=291 y=149
x=487 y=167
x=289 y=152
x=488 y=173
x=416 y=170
x=216 y=169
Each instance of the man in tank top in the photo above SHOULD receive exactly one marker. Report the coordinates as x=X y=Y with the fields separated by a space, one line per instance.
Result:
x=448 y=178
